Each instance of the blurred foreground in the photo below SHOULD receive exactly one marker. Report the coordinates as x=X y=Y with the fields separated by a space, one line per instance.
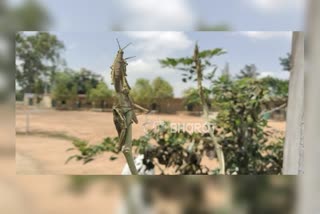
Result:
x=23 y=194
x=101 y=194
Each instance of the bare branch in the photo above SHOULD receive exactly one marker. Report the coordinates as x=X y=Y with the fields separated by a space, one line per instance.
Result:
x=273 y=110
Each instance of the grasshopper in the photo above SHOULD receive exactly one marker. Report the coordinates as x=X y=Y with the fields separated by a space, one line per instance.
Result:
x=124 y=102
x=119 y=71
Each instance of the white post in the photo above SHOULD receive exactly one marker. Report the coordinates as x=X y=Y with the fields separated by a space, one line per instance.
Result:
x=293 y=148
x=27 y=120
x=308 y=185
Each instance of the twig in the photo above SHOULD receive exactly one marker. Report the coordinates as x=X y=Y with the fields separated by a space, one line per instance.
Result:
x=273 y=110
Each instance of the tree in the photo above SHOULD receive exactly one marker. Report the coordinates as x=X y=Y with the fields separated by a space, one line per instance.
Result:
x=142 y=92
x=161 y=89
x=29 y=15
x=64 y=87
x=226 y=71
x=201 y=26
x=277 y=87
x=38 y=57
x=99 y=94
x=249 y=71
x=242 y=127
x=195 y=66
x=286 y=62
x=191 y=96
x=86 y=80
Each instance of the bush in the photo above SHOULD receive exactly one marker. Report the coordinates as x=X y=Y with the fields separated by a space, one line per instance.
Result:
x=242 y=129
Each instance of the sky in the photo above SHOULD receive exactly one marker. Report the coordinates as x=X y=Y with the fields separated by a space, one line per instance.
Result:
x=101 y=15
x=84 y=26
x=96 y=51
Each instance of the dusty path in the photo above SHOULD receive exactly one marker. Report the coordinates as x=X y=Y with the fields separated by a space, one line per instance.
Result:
x=27 y=165
x=40 y=154
x=43 y=155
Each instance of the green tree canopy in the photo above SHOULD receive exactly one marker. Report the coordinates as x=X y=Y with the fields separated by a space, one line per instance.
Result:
x=142 y=92
x=161 y=88
x=29 y=15
x=285 y=62
x=209 y=27
x=277 y=87
x=86 y=80
x=38 y=57
x=64 y=87
x=249 y=71
x=100 y=93
x=26 y=15
x=191 y=96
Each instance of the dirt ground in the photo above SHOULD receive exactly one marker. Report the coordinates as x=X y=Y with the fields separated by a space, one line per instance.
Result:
x=40 y=154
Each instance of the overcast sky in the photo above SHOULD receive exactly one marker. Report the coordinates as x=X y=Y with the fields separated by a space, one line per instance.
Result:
x=100 y=15
x=96 y=51
x=84 y=28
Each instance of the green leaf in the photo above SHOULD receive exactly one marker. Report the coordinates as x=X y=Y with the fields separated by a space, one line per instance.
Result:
x=87 y=160
x=211 y=53
x=70 y=158
x=112 y=158
x=70 y=149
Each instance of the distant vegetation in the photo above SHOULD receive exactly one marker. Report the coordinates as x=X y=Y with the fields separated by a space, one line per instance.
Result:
x=144 y=92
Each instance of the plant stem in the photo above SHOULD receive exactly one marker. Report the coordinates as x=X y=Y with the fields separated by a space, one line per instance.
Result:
x=218 y=147
x=127 y=148
x=124 y=115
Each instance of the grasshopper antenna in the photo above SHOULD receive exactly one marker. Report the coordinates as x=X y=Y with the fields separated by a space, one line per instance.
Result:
x=118 y=43
x=126 y=46
x=129 y=57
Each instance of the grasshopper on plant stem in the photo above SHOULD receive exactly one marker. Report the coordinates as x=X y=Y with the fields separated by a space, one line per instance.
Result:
x=119 y=116
x=118 y=71
x=123 y=108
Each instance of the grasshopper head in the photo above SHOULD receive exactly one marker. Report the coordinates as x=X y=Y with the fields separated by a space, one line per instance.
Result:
x=120 y=52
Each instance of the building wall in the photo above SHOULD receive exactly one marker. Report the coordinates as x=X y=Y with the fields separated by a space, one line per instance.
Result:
x=46 y=101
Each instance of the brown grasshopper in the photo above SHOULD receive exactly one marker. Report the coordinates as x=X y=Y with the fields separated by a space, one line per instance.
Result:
x=124 y=102
x=119 y=70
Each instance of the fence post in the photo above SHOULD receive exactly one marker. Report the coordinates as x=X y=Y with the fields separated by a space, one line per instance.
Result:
x=27 y=119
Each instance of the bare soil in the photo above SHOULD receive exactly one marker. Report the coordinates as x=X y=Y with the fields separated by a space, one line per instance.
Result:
x=46 y=154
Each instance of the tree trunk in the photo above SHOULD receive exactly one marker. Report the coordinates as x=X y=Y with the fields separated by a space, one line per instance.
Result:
x=293 y=149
